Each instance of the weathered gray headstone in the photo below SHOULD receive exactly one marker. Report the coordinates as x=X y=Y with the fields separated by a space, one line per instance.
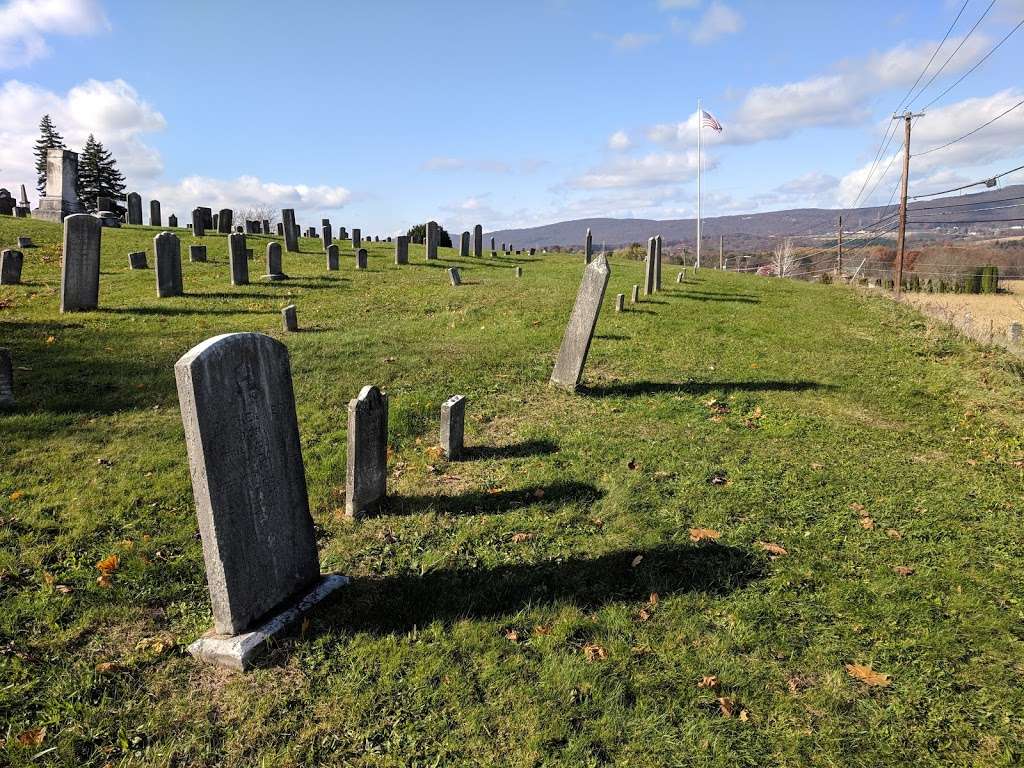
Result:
x=238 y=258
x=266 y=226
x=519 y=271
x=493 y=249
x=357 y=237
x=533 y=251
x=290 y=318
x=367 y=460
x=274 y=270
x=155 y=219
x=333 y=257
x=224 y=218
x=11 y=262
x=197 y=253
x=249 y=484
x=198 y=225
x=80 y=263
x=6 y=379
x=588 y=253
x=402 y=249
x=620 y=302
x=464 y=246
x=453 y=426
x=1013 y=332
x=430 y=239
x=342 y=233
x=657 y=263
x=291 y=240
x=167 y=259
x=652 y=254
x=679 y=276
x=361 y=262
x=478 y=241
x=24 y=242
x=280 y=229
x=579 y=332
x=172 y=221
x=326 y=234
x=7 y=204
x=453 y=275
x=134 y=202
x=137 y=260
x=635 y=295
x=61 y=198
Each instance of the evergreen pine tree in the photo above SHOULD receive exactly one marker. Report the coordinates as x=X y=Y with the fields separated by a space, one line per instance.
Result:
x=98 y=176
x=48 y=139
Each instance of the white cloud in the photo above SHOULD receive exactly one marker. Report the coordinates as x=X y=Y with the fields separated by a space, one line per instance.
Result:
x=631 y=41
x=650 y=170
x=718 y=21
x=448 y=164
x=24 y=25
x=112 y=110
x=619 y=141
x=246 y=192
x=443 y=164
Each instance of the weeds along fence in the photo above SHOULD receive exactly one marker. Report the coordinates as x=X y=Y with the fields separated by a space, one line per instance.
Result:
x=985 y=330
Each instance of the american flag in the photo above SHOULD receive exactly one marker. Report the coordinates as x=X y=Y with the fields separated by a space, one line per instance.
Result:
x=708 y=121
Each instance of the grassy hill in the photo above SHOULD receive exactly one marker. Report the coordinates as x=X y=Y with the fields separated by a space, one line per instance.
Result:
x=543 y=602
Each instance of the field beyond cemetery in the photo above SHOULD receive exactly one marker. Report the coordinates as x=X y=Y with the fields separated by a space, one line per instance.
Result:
x=779 y=525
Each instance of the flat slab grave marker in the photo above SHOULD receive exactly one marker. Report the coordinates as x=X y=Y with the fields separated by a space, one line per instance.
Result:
x=579 y=332
x=367 y=459
x=167 y=248
x=259 y=546
x=453 y=426
x=80 y=263
x=197 y=253
x=274 y=271
x=11 y=262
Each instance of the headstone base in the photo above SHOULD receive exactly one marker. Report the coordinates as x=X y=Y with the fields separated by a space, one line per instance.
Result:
x=55 y=209
x=275 y=277
x=239 y=652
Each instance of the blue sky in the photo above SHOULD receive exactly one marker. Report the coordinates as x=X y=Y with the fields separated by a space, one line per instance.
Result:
x=386 y=114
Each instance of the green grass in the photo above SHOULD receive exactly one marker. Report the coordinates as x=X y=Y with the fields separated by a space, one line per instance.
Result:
x=462 y=643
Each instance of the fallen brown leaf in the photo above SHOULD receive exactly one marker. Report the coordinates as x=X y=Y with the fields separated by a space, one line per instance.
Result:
x=704 y=534
x=594 y=652
x=772 y=548
x=726 y=706
x=867 y=675
x=33 y=737
x=892 y=533
x=106 y=666
x=653 y=599
x=108 y=564
x=708 y=681
x=903 y=570
x=867 y=523
x=519 y=538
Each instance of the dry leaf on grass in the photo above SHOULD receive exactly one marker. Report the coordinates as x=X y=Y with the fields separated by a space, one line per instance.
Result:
x=33 y=737
x=892 y=533
x=511 y=634
x=643 y=615
x=519 y=538
x=704 y=534
x=539 y=493
x=867 y=523
x=718 y=478
x=776 y=550
x=653 y=599
x=708 y=681
x=108 y=564
x=799 y=683
x=16 y=495
x=726 y=706
x=593 y=652
x=542 y=629
x=857 y=507
x=867 y=675
x=105 y=667
x=637 y=560
x=903 y=570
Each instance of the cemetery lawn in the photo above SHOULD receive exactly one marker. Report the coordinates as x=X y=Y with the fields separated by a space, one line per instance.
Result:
x=779 y=525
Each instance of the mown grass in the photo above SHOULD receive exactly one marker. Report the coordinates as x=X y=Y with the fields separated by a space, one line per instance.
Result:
x=501 y=609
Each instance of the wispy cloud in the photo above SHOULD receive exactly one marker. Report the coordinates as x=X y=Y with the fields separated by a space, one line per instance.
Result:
x=619 y=141
x=718 y=21
x=25 y=25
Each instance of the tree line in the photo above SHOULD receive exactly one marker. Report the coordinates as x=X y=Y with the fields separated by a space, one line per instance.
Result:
x=98 y=175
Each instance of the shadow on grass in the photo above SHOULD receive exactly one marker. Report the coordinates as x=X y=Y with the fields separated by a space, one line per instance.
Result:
x=637 y=388
x=474 y=503
x=511 y=451
x=613 y=336
x=171 y=311
x=400 y=603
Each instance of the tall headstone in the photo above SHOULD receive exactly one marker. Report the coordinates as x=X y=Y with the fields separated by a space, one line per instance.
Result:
x=588 y=252
x=249 y=484
x=464 y=245
x=291 y=240
x=361 y=261
x=224 y=218
x=167 y=248
x=453 y=426
x=214 y=225
x=333 y=257
x=61 y=198
x=357 y=238
x=657 y=263
x=266 y=226
x=478 y=241
x=326 y=232
x=367 y=459
x=80 y=263
x=238 y=259
x=6 y=380
x=579 y=332
x=197 y=253
x=172 y=221
x=7 y=204
x=134 y=201
x=652 y=253
x=430 y=239
x=198 y=223
x=280 y=229
x=154 y=214
x=22 y=197
x=402 y=249
x=493 y=249
x=274 y=270
x=11 y=262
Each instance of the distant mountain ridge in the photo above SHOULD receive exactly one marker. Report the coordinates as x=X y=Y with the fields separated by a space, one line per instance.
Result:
x=754 y=230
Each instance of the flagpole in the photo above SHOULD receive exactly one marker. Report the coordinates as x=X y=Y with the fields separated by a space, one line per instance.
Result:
x=700 y=125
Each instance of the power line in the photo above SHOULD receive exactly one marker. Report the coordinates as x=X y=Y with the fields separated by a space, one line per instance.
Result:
x=903 y=101
x=971 y=221
x=962 y=205
x=980 y=62
x=971 y=133
x=990 y=181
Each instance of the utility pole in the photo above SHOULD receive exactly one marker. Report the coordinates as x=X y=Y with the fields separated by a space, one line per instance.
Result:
x=839 y=247
x=906 y=117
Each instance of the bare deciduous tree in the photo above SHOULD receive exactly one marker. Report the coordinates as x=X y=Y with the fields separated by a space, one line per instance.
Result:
x=784 y=262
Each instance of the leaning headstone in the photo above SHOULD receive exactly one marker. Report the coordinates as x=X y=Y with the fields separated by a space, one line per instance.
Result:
x=167 y=260
x=6 y=379
x=657 y=263
x=430 y=240
x=464 y=246
x=361 y=262
x=154 y=214
x=652 y=254
x=197 y=253
x=224 y=221
x=137 y=260
x=367 y=460
x=238 y=259
x=291 y=240
x=402 y=249
x=357 y=238
x=134 y=201
x=61 y=198
x=25 y=242
x=453 y=275
x=259 y=543
x=80 y=263
x=478 y=241
x=453 y=426
x=290 y=319
x=11 y=262
x=274 y=271
x=580 y=330
x=198 y=225
x=620 y=302
x=533 y=251
x=333 y=259
x=634 y=297
x=172 y=221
